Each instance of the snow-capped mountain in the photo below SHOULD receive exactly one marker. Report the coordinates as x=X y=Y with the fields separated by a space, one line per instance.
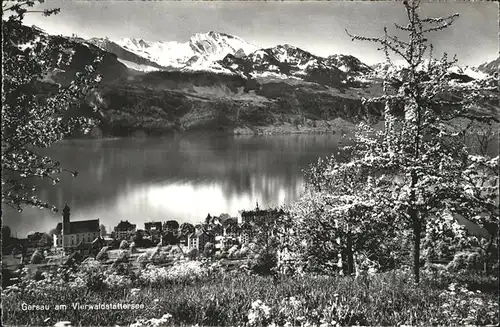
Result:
x=200 y=53
x=491 y=67
x=472 y=72
x=348 y=64
x=128 y=58
x=282 y=87
x=218 y=53
x=285 y=61
x=457 y=73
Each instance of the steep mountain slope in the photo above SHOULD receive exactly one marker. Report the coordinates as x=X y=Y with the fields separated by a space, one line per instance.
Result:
x=74 y=55
x=123 y=54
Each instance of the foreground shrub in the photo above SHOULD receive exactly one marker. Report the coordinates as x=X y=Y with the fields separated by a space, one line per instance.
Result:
x=192 y=254
x=179 y=273
x=133 y=248
x=123 y=245
x=103 y=254
x=37 y=257
x=465 y=261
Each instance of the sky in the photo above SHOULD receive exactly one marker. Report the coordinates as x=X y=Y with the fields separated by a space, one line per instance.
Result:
x=315 y=26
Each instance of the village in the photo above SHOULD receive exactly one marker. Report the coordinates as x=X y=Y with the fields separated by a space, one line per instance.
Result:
x=75 y=241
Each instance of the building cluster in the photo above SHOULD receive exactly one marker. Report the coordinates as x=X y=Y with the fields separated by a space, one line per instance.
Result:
x=225 y=232
x=87 y=236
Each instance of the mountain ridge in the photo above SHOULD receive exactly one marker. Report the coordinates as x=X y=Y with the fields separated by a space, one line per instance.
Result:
x=224 y=88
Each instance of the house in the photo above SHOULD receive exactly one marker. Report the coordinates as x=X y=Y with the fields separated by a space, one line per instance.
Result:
x=154 y=230
x=39 y=239
x=153 y=226
x=232 y=230
x=183 y=240
x=217 y=230
x=171 y=225
x=198 y=239
x=124 y=230
x=219 y=242
x=246 y=233
x=258 y=215
x=73 y=233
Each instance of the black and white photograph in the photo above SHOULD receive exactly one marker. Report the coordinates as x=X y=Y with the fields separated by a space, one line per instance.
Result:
x=250 y=163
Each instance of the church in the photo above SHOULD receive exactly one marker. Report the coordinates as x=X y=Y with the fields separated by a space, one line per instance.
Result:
x=76 y=232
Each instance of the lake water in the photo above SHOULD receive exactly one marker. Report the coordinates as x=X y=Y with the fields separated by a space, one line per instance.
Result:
x=183 y=177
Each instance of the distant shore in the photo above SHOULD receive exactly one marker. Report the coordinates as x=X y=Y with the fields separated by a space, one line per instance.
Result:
x=334 y=126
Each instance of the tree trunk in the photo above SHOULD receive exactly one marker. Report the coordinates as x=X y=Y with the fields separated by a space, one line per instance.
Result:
x=345 y=268
x=350 y=255
x=417 y=228
x=486 y=254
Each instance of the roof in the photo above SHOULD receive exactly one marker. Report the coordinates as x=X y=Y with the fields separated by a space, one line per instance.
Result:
x=233 y=229
x=124 y=226
x=83 y=244
x=84 y=226
x=260 y=212
x=199 y=233
x=229 y=221
x=471 y=227
x=217 y=229
x=246 y=226
x=97 y=240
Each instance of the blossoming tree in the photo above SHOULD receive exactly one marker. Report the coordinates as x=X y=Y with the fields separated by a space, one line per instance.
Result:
x=417 y=171
x=36 y=112
x=421 y=153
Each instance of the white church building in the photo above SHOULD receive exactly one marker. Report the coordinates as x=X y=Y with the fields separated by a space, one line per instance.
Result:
x=76 y=232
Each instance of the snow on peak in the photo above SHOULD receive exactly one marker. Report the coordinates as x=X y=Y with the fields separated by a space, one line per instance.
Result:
x=201 y=51
x=382 y=68
x=348 y=64
x=469 y=71
x=215 y=43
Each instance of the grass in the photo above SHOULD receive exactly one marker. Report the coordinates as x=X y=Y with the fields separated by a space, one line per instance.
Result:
x=218 y=299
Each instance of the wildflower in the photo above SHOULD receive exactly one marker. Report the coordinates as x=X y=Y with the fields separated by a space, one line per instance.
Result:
x=63 y=324
x=138 y=323
x=256 y=304
x=252 y=316
x=258 y=312
x=266 y=309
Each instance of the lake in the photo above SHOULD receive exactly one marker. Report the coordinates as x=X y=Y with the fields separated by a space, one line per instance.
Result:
x=179 y=177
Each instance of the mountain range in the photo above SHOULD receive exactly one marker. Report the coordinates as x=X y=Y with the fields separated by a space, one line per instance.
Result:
x=217 y=81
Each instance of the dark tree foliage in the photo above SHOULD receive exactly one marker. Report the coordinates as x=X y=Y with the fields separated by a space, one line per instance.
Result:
x=35 y=110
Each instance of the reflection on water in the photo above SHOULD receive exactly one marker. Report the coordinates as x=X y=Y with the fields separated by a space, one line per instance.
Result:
x=181 y=178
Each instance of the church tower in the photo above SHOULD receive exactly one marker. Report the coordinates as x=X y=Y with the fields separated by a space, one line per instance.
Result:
x=66 y=226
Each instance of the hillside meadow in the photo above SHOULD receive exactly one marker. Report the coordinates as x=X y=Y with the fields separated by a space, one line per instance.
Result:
x=205 y=293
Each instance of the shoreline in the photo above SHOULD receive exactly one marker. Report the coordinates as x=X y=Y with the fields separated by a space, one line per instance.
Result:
x=333 y=127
